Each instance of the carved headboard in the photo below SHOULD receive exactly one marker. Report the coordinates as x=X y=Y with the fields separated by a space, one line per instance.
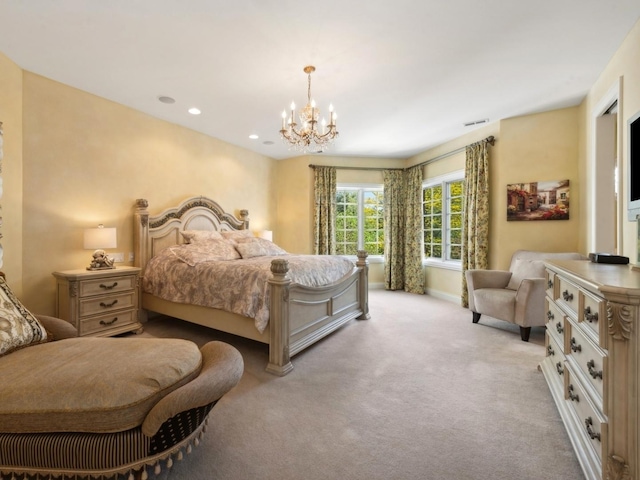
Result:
x=153 y=233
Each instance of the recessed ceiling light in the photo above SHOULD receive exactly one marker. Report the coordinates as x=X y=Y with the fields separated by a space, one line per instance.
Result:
x=165 y=99
x=194 y=111
x=253 y=136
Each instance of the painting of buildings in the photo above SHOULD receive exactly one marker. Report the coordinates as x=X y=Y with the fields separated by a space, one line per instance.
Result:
x=538 y=201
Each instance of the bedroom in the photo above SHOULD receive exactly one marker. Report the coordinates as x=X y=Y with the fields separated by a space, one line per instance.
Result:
x=55 y=185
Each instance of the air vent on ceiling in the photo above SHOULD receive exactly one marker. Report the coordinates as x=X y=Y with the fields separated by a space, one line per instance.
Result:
x=477 y=122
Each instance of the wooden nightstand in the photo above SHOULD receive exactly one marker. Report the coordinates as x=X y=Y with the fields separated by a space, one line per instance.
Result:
x=99 y=302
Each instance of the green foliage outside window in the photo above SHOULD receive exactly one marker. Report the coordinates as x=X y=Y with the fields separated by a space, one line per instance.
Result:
x=443 y=232
x=349 y=233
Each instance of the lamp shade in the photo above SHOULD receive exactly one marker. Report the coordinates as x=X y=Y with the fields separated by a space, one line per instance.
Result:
x=98 y=238
x=267 y=235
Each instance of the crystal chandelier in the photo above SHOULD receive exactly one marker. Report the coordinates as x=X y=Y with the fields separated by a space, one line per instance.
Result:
x=308 y=137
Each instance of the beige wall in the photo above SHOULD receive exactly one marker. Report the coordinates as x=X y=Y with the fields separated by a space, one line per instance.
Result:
x=86 y=161
x=11 y=201
x=623 y=66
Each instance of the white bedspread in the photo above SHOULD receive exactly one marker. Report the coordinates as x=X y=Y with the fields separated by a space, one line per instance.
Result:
x=182 y=275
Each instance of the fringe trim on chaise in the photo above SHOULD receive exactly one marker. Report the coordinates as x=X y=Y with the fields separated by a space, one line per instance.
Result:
x=75 y=456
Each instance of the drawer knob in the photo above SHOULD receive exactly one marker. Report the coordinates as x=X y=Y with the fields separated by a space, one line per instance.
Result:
x=588 y=422
x=590 y=317
x=110 y=322
x=549 y=283
x=568 y=297
x=107 y=305
x=550 y=315
x=550 y=350
x=109 y=287
x=559 y=368
x=591 y=365
x=572 y=396
x=574 y=346
x=559 y=327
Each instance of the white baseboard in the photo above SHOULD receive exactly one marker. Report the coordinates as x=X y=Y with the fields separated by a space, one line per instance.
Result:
x=443 y=296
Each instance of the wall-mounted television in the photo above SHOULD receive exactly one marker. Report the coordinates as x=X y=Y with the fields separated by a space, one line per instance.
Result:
x=633 y=154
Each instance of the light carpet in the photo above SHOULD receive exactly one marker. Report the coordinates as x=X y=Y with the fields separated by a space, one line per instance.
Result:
x=416 y=392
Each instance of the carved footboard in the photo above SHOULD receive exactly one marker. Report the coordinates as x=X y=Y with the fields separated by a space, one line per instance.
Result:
x=300 y=316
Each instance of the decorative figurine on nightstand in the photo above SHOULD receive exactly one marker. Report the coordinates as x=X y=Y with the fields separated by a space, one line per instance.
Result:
x=100 y=261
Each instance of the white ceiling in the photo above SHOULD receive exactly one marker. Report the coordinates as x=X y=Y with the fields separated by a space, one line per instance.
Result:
x=403 y=75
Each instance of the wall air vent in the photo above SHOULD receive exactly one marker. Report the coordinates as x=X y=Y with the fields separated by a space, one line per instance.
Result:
x=477 y=122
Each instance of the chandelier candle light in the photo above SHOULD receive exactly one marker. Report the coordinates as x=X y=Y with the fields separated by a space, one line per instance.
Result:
x=308 y=137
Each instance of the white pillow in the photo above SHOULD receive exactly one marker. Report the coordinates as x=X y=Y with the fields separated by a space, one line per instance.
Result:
x=523 y=268
x=235 y=235
x=196 y=236
x=202 y=252
x=258 y=247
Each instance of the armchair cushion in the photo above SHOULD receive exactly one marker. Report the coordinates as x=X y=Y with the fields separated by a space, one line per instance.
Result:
x=524 y=268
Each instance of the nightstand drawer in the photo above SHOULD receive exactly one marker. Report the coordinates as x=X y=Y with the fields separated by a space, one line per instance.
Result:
x=102 y=323
x=102 y=304
x=104 y=286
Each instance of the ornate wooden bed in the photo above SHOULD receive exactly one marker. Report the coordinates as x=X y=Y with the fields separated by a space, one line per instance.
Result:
x=298 y=315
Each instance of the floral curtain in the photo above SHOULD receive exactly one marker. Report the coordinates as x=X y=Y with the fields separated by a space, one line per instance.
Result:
x=403 y=230
x=324 y=213
x=394 y=222
x=413 y=273
x=475 y=220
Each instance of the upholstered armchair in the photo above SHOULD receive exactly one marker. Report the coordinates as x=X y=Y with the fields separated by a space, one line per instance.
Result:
x=515 y=295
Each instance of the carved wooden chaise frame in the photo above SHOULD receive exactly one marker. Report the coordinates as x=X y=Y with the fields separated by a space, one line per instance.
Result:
x=298 y=315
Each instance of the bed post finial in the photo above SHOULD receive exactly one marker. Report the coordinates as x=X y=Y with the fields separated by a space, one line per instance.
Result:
x=244 y=216
x=141 y=233
x=363 y=265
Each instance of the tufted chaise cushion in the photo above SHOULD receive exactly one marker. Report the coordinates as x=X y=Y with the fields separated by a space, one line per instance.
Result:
x=91 y=384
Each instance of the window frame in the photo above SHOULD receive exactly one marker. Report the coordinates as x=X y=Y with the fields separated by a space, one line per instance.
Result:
x=361 y=187
x=442 y=180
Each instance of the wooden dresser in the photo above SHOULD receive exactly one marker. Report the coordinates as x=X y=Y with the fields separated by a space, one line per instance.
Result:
x=99 y=302
x=592 y=363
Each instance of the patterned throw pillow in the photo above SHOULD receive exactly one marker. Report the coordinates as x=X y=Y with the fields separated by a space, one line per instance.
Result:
x=235 y=235
x=211 y=251
x=258 y=247
x=196 y=236
x=18 y=327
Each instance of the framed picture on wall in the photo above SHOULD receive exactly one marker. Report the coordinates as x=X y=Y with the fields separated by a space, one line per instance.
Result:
x=538 y=201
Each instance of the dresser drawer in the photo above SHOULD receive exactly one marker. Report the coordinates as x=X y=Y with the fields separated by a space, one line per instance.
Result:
x=590 y=359
x=105 y=303
x=555 y=358
x=107 y=285
x=550 y=284
x=556 y=321
x=589 y=421
x=102 y=323
x=568 y=294
x=594 y=317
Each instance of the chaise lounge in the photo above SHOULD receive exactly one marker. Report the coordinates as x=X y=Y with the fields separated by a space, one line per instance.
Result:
x=93 y=407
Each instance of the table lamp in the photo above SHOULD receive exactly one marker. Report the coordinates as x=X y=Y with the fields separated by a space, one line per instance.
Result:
x=97 y=239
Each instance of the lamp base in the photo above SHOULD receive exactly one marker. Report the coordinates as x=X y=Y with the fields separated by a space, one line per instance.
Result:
x=101 y=261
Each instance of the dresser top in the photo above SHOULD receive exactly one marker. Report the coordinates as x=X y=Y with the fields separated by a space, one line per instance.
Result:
x=609 y=280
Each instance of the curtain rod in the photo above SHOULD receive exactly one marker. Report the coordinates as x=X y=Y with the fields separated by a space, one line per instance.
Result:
x=490 y=140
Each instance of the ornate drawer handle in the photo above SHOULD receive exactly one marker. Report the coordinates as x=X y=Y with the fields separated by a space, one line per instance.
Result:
x=574 y=397
x=591 y=365
x=559 y=368
x=102 y=322
x=549 y=283
x=568 y=297
x=106 y=305
x=574 y=346
x=108 y=287
x=559 y=327
x=550 y=315
x=550 y=350
x=588 y=422
x=590 y=317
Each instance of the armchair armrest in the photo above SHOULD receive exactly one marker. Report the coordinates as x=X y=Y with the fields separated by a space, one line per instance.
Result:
x=477 y=279
x=222 y=368
x=57 y=327
x=530 y=302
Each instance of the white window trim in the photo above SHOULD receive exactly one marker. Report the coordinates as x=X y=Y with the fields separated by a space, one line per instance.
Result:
x=441 y=180
x=374 y=187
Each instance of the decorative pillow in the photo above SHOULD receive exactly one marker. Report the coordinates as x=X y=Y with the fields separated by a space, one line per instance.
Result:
x=196 y=236
x=18 y=327
x=257 y=247
x=235 y=235
x=210 y=251
x=522 y=269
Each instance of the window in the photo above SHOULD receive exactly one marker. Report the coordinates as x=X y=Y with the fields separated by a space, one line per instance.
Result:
x=359 y=220
x=442 y=205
